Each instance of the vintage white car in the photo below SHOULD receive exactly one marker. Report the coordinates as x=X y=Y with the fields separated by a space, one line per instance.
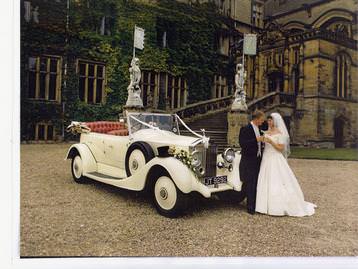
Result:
x=149 y=153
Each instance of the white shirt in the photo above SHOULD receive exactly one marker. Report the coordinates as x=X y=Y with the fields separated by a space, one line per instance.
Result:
x=257 y=133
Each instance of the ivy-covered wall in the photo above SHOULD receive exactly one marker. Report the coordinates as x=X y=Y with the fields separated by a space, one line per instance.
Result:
x=191 y=51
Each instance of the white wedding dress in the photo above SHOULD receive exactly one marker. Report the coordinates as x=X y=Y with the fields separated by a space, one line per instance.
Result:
x=278 y=192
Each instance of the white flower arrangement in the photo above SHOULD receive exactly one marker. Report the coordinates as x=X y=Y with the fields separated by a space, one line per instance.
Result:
x=183 y=156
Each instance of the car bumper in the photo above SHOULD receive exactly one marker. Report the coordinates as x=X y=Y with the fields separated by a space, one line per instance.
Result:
x=207 y=191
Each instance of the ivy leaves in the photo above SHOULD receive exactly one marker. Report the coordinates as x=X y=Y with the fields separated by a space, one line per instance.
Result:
x=190 y=51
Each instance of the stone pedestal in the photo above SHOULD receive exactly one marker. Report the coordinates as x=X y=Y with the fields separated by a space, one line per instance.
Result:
x=132 y=109
x=239 y=104
x=134 y=100
x=236 y=120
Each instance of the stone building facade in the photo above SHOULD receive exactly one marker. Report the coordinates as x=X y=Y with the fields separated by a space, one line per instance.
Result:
x=306 y=66
x=61 y=71
x=308 y=54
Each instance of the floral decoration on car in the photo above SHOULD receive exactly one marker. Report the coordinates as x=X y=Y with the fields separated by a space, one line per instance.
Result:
x=183 y=156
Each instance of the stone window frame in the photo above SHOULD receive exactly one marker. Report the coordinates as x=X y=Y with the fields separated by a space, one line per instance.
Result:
x=220 y=86
x=269 y=59
x=88 y=77
x=342 y=75
x=147 y=84
x=47 y=72
x=48 y=127
x=296 y=55
x=176 y=89
x=223 y=44
x=257 y=16
x=279 y=57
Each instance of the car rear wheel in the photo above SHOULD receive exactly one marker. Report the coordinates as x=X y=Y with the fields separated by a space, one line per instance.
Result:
x=168 y=199
x=77 y=169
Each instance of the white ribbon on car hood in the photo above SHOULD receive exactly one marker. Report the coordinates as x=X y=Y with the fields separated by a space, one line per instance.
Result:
x=204 y=138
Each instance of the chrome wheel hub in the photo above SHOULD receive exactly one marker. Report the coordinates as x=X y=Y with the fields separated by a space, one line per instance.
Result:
x=135 y=164
x=163 y=193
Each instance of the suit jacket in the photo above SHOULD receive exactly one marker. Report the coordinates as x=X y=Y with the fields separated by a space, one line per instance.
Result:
x=248 y=142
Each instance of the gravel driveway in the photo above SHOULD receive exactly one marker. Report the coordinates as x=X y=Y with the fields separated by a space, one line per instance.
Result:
x=62 y=218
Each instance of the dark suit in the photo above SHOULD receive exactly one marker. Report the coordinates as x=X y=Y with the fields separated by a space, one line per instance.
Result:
x=249 y=164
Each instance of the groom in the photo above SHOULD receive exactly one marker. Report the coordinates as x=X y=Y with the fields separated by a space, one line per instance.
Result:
x=251 y=143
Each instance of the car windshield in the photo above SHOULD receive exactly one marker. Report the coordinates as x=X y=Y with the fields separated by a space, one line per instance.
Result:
x=140 y=121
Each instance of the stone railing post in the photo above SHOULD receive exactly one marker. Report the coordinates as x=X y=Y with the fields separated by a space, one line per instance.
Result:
x=236 y=120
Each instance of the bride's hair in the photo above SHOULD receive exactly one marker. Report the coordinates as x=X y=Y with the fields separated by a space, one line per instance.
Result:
x=279 y=123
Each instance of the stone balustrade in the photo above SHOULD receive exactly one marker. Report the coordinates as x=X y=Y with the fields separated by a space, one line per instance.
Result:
x=336 y=37
x=201 y=109
x=272 y=100
x=204 y=107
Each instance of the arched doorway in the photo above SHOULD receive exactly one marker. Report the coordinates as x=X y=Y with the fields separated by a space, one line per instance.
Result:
x=338 y=132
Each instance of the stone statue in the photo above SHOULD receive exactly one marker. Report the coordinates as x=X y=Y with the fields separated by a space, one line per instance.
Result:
x=35 y=14
x=27 y=15
x=240 y=93
x=133 y=88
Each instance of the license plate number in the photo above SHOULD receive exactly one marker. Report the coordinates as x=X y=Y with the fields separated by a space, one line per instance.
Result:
x=215 y=180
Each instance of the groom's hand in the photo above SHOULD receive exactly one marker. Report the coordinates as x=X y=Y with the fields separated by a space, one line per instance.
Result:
x=260 y=139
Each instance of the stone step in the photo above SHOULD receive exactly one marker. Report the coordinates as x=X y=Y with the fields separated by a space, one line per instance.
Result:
x=219 y=138
x=215 y=126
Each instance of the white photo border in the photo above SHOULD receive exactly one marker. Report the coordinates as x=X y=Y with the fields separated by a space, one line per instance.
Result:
x=10 y=189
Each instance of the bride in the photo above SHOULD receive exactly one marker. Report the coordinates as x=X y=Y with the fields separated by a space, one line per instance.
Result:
x=278 y=192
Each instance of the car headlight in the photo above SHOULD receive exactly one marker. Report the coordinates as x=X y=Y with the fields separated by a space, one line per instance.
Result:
x=229 y=155
x=195 y=162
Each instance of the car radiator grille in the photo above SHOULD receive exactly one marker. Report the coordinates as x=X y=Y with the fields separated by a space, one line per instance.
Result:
x=210 y=164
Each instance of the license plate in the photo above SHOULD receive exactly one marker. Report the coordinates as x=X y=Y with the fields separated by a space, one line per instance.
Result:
x=215 y=180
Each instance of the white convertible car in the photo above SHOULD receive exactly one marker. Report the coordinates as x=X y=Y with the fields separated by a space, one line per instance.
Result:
x=149 y=153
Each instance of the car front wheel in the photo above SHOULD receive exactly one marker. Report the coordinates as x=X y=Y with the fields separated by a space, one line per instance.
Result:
x=168 y=199
x=77 y=169
x=138 y=154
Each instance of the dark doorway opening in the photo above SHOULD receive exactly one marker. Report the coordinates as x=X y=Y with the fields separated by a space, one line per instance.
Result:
x=275 y=81
x=338 y=132
x=287 y=120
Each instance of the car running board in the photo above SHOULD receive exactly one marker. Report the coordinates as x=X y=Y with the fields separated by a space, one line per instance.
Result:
x=104 y=176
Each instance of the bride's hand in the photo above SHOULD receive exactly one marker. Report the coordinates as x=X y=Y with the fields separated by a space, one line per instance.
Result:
x=268 y=140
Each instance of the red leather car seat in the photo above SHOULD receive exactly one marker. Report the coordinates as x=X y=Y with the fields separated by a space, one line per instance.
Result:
x=108 y=127
x=122 y=132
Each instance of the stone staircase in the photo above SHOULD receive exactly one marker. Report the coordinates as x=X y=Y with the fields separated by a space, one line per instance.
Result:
x=211 y=115
x=215 y=126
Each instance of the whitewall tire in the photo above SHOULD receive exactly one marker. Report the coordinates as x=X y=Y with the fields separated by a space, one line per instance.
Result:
x=138 y=154
x=77 y=169
x=136 y=161
x=168 y=199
